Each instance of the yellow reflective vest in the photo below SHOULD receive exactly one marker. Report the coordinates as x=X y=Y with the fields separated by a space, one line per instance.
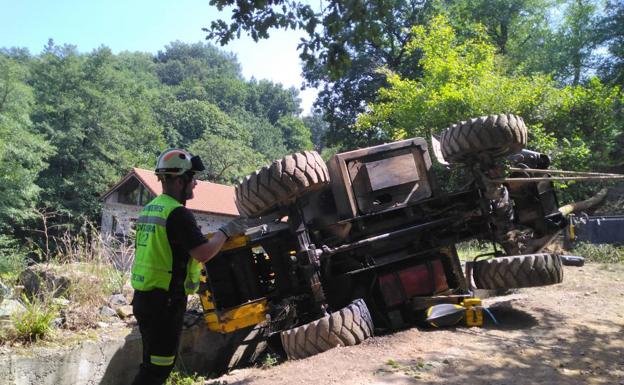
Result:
x=153 y=259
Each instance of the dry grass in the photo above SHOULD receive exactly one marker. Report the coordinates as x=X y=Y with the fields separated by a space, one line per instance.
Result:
x=96 y=268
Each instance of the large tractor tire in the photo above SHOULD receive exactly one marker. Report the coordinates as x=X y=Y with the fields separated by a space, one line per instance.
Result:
x=280 y=183
x=518 y=271
x=494 y=135
x=346 y=327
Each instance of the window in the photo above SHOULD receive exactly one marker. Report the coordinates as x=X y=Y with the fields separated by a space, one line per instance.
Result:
x=133 y=193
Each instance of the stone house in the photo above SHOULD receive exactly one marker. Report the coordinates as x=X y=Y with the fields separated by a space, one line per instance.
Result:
x=212 y=204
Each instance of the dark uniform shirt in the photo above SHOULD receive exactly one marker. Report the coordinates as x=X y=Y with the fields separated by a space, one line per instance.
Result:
x=184 y=235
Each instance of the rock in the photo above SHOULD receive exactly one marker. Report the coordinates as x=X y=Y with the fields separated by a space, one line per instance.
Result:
x=10 y=306
x=106 y=311
x=40 y=280
x=5 y=291
x=117 y=300
x=62 y=302
x=57 y=323
x=102 y=325
x=125 y=311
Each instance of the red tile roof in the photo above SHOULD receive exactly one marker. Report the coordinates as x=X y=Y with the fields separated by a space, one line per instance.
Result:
x=212 y=198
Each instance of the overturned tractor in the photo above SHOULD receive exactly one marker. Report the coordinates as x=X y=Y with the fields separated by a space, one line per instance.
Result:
x=367 y=241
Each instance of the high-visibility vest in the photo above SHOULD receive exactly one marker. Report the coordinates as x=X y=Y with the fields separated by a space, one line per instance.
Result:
x=153 y=259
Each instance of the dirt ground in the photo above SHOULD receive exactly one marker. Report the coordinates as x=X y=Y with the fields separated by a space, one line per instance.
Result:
x=571 y=333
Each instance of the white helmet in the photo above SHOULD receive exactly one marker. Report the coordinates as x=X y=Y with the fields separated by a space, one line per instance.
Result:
x=175 y=161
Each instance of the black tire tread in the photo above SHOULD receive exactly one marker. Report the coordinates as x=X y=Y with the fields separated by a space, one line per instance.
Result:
x=346 y=327
x=518 y=271
x=280 y=183
x=497 y=135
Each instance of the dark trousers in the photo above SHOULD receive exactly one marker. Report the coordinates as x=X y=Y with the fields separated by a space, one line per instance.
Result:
x=160 y=322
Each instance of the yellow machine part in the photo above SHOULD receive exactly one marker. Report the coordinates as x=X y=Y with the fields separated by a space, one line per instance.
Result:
x=239 y=317
x=474 y=311
x=232 y=243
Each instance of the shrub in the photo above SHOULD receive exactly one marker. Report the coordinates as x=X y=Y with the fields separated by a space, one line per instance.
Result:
x=34 y=323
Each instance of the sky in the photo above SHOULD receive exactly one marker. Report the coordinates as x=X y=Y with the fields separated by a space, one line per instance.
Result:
x=146 y=26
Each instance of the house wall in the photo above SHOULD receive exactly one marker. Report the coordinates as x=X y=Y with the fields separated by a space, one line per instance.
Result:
x=123 y=217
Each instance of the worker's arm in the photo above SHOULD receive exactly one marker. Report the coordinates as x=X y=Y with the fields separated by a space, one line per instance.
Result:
x=204 y=252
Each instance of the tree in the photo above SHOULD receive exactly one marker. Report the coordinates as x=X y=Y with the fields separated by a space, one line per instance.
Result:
x=577 y=125
x=267 y=139
x=578 y=37
x=23 y=153
x=612 y=34
x=345 y=44
x=318 y=129
x=201 y=61
x=192 y=118
x=100 y=120
x=226 y=160
x=272 y=101
x=507 y=22
x=296 y=134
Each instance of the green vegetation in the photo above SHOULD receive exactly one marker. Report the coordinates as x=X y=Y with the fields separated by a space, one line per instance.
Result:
x=72 y=123
x=179 y=378
x=413 y=368
x=270 y=360
x=600 y=253
x=563 y=43
x=34 y=322
x=12 y=258
x=86 y=271
x=467 y=251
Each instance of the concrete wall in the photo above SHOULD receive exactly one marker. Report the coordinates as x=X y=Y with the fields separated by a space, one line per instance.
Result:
x=112 y=360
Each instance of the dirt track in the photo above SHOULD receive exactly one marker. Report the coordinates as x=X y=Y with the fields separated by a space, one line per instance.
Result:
x=572 y=333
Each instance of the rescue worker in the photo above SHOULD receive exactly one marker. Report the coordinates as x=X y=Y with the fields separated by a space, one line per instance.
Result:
x=169 y=250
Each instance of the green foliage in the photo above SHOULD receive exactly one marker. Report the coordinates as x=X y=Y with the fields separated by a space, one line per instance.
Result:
x=267 y=138
x=344 y=44
x=469 y=250
x=602 y=253
x=199 y=61
x=193 y=118
x=72 y=124
x=318 y=130
x=270 y=360
x=34 y=323
x=612 y=33
x=225 y=160
x=22 y=152
x=460 y=79
x=578 y=126
x=12 y=258
x=179 y=378
x=297 y=136
x=100 y=120
x=271 y=101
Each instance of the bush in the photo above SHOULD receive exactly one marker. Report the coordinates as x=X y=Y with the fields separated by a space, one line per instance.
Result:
x=34 y=323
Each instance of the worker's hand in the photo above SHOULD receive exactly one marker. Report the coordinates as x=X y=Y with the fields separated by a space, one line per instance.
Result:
x=234 y=227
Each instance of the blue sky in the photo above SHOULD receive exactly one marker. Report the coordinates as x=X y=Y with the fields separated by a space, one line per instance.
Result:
x=142 y=25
